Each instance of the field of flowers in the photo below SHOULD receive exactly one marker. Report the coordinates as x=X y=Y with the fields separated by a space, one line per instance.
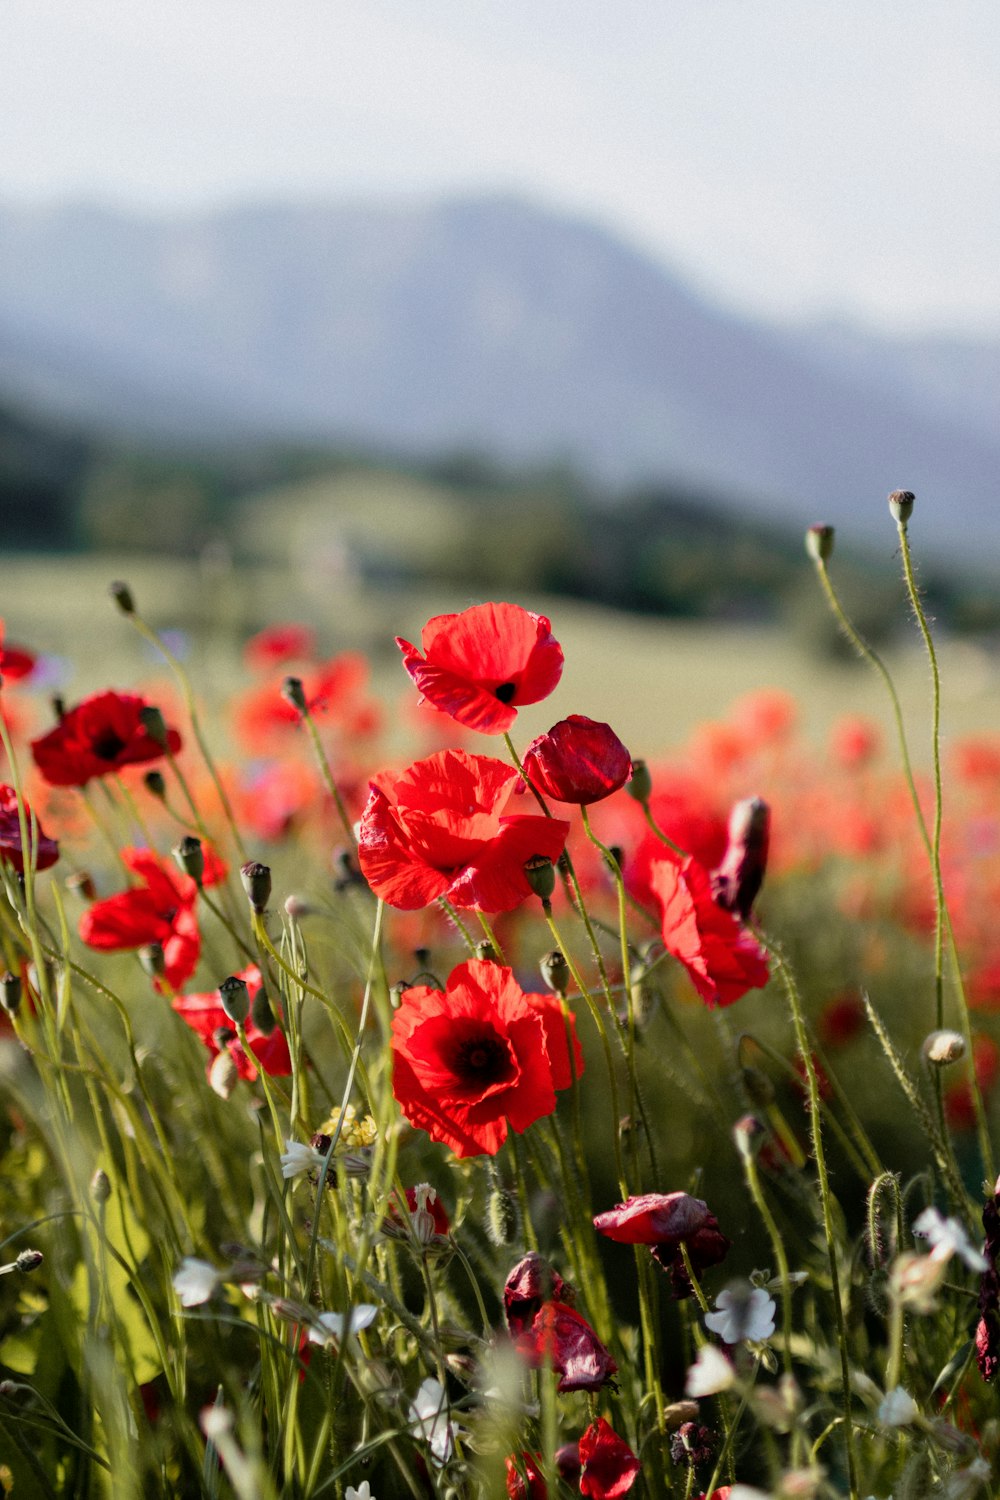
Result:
x=499 y=1118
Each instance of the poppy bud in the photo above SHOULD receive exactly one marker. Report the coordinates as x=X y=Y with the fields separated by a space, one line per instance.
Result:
x=223 y=1075
x=579 y=760
x=739 y=877
x=640 y=783
x=540 y=873
x=10 y=993
x=555 y=971
x=81 y=883
x=29 y=1260
x=503 y=1216
x=261 y=1013
x=152 y=960
x=901 y=506
x=100 y=1186
x=486 y=951
x=154 y=724
x=294 y=693
x=749 y=1135
x=122 y=595
x=235 y=999
x=819 y=542
x=155 y=784
x=256 y=880
x=191 y=857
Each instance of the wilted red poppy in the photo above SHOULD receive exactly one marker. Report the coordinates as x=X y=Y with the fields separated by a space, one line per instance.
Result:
x=15 y=661
x=97 y=737
x=722 y=958
x=525 y=1480
x=481 y=665
x=439 y=829
x=480 y=1056
x=206 y=1017
x=560 y=1337
x=279 y=644
x=161 y=910
x=46 y=850
x=531 y=1282
x=609 y=1468
x=665 y=1221
x=578 y=760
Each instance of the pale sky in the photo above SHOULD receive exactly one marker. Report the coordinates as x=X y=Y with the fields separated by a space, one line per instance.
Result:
x=798 y=158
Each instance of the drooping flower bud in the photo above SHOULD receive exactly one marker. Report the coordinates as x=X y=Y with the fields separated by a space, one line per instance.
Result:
x=256 y=880
x=190 y=856
x=235 y=999
x=739 y=877
x=122 y=596
x=819 y=542
x=901 y=506
x=540 y=873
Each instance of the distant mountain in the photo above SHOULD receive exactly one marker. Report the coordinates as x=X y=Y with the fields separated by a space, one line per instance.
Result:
x=490 y=324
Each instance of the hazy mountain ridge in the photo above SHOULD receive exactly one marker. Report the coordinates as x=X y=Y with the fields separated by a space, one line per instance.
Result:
x=491 y=324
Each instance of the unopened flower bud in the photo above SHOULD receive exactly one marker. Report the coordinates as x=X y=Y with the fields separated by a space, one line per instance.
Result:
x=540 y=873
x=122 y=595
x=749 y=1134
x=943 y=1047
x=155 y=784
x=503 y=1216
x=100 y=1186
x=190 y=856
x=294 y=693
x=152 y=960
x=486 y=951
x=256 y=880
x=81 y=883
x=29 y=1260
x=640 y=783
x=10 y=992
x=223 y=1075
x=154 y=724
x=235 y=999
x=738 y=879
x=261 y=1013
x=297 y=907
x=901 y=506
x=819 y=542
x=555 y=971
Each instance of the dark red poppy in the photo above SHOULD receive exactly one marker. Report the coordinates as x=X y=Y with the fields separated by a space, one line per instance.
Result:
x=578 y=760
x=15 y=661
x=46 y=850
x=439 y=829
x=531 y=1282
x=206 y=1017
x=525 y=1480
x=481 y=665
x=609 y=1468
x=277 y=645
x=739 y=877
x=161 y=910
x=560 y=1337
x=477 y=1057
x=721 y=957
x=664 y=1222
x=98 y=737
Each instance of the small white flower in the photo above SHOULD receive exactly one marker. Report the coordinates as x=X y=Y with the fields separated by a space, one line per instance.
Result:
x=897 y=1409
x=298 y=1159
x=947 y=1237
x=363 y=1492
x=195 y=1281
x=330 y=1325
x=710 y=1373
x=429 y=1415
x=743 y=1312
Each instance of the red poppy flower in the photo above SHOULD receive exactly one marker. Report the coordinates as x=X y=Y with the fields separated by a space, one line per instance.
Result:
x=739 y=877
x=46 y=850
x=579 y=760
x=206 y=1017
x=665 y=1221
x=531 y=1282
x=337 y=688
x=560 y=1337
x=481 y=665
x=525 y=1480
x=100 y=735
x=15 y=662
x=439 y=830
x=609 y=1467
x=279 y=644
x=480 y=1056
x=161 y=910
x=721 y=957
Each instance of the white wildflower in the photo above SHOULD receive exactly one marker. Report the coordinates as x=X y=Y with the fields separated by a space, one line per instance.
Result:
x=330 y=1325
x=742 y=1312
x=195 y=1281
x=298 y=1159
x=897 y=1409
x=947 y=1237
x=363 y=1492
x=710 y=1373
x=429 y=1416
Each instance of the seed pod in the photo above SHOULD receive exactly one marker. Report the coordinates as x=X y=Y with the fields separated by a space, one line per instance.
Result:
x=901 y=506
x=555 y=972
x=122 y=595
x=640 y=783
x=235 y=999
x=257 y=884
x=819 y=542
x=540 y=873
x=190 y=856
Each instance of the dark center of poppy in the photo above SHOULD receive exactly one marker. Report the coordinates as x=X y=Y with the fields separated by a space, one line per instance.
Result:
x=505 y=692
x=108 y=746
x=482 y=1058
